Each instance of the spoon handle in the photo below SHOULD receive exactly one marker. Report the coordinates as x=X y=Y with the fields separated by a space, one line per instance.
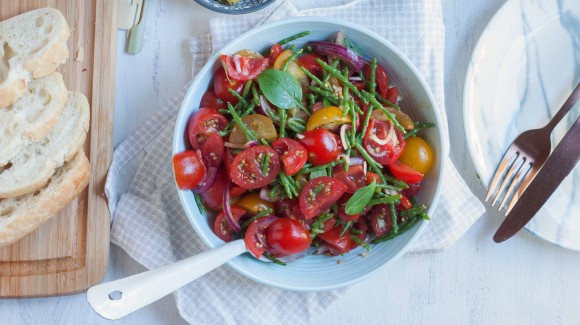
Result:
x=117 y=299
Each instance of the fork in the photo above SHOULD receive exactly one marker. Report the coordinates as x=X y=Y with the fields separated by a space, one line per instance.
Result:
x=524 y=158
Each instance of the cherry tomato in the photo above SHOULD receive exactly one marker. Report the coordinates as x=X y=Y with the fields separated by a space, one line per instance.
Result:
x=287 y=236
x=289 y=208
x=381 y=219
x=405 y=173
x=405 y=204
x=243 y=67
x=373 y=176
x=360 y=225
x=254 y=237
x=381 y=78
x=209 y=99
x=221 y=227
x=246 y=169
x=383 y=142
x=221 y=84
x=203 y=122
x=293 y=68
x=322 y=146
x=354 y=178
x=292 y=153
x=260 y=125
x=405 y=120
x=418 y=155
x=327 y=117
x=308 y=61
x=213 y=196
x=189 y=169
x=212 y=149
x=412 y=190
x=254 y=204
x=275 y=51
x=336 y=243
x=341 y=206
x=392 y=95
x=319 y=195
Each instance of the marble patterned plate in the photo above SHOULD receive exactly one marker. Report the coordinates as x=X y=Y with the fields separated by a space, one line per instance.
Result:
x=523 y=68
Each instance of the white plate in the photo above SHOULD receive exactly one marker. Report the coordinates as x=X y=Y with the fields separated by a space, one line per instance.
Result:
x=524 y=66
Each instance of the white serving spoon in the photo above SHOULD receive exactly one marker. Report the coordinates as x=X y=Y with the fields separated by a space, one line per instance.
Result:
x=117 y=299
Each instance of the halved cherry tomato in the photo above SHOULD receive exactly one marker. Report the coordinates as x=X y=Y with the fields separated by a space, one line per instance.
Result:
x=319 y=195
x=260 y=125
x=405 y=120
x=308 y=61
x=354 y=178
x=212 y=149
x=254 y=204
x=221 y=226
x=243 y=67
x=381 y=78
x=418 y=155
x=209 y=99
x=213 y=196
x=341 y=206
x=412 y=190
x=383 y=141
x=381 y=219
x=189 y=169
x=322 y=146
x=405 y=204
x=336 y=243
x=405 y=173
x=287 y=236
x=289 y=208
x=392 y=95
x=256 y=234
x=246 y=169
x=293 y=68
x=292 y=153
x=370 y=177
x=221 y=84
x=327 y=117
x=203 y=122
x=275 y=50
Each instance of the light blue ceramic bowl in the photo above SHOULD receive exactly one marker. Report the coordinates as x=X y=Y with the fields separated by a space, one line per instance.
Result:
x=318 y=273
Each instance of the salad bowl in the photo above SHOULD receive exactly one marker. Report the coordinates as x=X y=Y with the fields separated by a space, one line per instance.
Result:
x=321 y=272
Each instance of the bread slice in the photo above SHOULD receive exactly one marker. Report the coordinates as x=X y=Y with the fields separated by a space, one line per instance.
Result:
x=32 y=45
x=32 y=116
x=31 y=168
x=21 y=215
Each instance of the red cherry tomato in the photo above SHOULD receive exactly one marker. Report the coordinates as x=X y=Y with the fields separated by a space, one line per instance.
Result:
x=254 y=237
x=381 y=219
x=287 y=236
x=336 y=243
x=405 y=204
x=373 y=176
x=203 y=122
x=341 y=206
x=209 y=99
x=412 y=190
x=221 y=84
x=221 y=226
x=243 y=68
x=361 y=225
x=405 y=173
x=246 y=169
x=212 y=149
x=319 y=194
x=354 y=178
x=308 y=61
x=213 y=196
x=381 y=78
x=322 y=146
x=392 y=95
x=292 y=154
x=275 y=51
x=189 y=169
x=381 y=144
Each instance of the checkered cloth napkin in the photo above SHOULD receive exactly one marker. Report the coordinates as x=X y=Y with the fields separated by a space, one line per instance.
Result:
x=149 y=223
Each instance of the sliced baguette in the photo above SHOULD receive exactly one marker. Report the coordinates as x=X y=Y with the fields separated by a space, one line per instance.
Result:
x=32 y=116
x=31 y=168
x=21 y=215
x=32 y=45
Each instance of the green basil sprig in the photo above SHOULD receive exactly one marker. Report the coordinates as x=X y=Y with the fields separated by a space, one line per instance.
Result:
x=280 y=88
x=360 y=199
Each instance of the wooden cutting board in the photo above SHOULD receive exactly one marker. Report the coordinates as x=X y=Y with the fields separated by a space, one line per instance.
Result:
x=70 y=252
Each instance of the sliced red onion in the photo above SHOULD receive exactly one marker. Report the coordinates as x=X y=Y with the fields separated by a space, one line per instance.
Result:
x=343 y=130
x=228 y=209
x=251 y=143
x=207 y=180
x=265 y=195
x=263 y=224
x=266 y=109
x=350 y=57
x=356 y=160
x=365 y=167
x=355 y=79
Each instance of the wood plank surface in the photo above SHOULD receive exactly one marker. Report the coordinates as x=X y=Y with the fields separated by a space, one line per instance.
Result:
x=70 y=252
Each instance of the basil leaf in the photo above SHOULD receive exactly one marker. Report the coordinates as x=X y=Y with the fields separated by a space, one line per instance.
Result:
x=280 y=88
x=318 y=173
x=360 y=199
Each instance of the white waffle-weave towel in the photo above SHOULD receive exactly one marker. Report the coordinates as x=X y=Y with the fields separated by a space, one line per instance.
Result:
x=149 y=223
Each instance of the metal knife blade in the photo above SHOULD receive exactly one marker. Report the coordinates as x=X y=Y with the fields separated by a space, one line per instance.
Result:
x=555 y=169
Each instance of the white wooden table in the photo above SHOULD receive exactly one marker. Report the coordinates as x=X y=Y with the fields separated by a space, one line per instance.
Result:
x=523 y=281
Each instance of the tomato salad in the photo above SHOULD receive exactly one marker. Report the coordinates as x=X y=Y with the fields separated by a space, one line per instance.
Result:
x=305 y=147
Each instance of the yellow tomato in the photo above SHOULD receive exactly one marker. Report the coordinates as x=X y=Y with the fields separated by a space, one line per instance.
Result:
x=293 y=68
x=254 y=204
x=259 y=124
x=327 y=117
x=403 y=119
x=418 y=155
